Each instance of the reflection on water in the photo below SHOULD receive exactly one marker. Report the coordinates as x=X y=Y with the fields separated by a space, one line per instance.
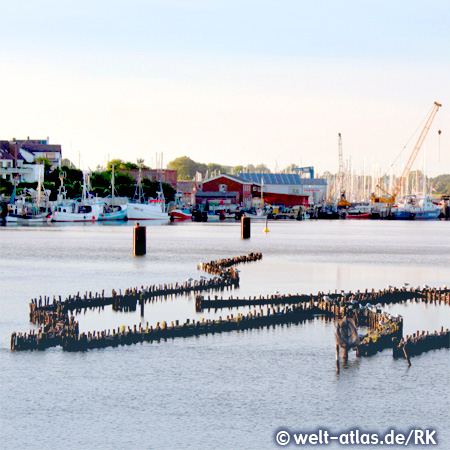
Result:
x=222 y=391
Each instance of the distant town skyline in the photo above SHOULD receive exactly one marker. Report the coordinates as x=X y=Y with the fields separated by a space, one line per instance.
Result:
x=232 y=83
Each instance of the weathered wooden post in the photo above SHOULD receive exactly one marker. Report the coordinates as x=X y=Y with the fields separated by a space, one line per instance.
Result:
x=141 y=303
x=245 y=227
x=139 y=240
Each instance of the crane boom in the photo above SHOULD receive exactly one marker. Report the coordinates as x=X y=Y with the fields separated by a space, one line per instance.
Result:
x=414 y=153
x=412 y=158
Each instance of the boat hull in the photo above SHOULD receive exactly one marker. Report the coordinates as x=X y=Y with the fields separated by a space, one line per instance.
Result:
x=74 y=217
x=427 y=215
x=362 y=216
x=178 y=214
x=143 y=211
x=62 y=214
x=120 y=214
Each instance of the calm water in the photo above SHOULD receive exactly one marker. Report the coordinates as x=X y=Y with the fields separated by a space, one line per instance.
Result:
x=227 y=391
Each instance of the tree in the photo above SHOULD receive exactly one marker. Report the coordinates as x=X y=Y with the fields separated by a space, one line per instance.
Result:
x=440 y=185
x=101 y=183
x=237 y=169
x=140 y=163
x=262 y=168
x=150 y=189
x=118 y=164
x=289 y=168
x=185 y=167
x=67 y=162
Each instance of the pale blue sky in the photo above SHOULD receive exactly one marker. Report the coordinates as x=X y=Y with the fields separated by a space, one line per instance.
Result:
x=232 y=82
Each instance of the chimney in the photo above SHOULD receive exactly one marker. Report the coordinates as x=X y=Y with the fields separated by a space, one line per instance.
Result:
x=15 y=149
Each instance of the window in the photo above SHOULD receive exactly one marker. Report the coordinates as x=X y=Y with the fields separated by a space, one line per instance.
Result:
x=222 y=188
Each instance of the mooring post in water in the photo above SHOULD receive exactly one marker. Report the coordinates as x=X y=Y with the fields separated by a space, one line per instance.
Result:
x=245 y=227
x=139 y=240
x=141 y=302
x=337 y=358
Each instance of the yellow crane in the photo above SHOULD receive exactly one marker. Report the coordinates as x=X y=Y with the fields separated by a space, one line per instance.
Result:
x=390 y=198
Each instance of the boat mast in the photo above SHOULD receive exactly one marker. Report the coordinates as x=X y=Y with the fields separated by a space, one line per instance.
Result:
x=38 y=207
x=140 y=185
x=262 y=193
x=112 y=184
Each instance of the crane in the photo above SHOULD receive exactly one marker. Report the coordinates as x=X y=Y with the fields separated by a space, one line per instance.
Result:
x=342 y=202
x=390 y=199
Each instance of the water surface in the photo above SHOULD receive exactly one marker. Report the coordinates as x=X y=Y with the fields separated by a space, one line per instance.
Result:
x=222 y=391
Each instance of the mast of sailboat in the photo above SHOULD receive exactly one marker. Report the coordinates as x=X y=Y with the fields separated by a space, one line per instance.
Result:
x=112 y=184
x=161 y=197
x=84 y=187
x=38 y=206
x=140 y=185
x=262 y=193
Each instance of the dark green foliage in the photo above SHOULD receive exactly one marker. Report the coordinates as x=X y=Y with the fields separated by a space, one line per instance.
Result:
x=150 y=189
x=442 y=185
x=187 y=168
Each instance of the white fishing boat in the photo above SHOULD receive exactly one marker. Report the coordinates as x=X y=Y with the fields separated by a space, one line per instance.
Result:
x=76 y=212
x=85 y=210
x=152 y=209
x=25 y=211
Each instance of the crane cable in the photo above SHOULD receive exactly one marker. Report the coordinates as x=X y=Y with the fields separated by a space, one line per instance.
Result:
x=439 y=139
x=409 y=140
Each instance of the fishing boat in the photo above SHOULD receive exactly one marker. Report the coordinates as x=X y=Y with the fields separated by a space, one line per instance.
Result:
x=76 y=212
x=112 y=211
x=359 y=212
x=152 y=209
x=181 y=214
x=416 y=207
x=85 y=210
x=23 y=211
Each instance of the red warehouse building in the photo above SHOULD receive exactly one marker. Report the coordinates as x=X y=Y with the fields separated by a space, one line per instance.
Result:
x=227 y=185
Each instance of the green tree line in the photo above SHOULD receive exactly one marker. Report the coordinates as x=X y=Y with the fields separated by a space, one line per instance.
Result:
x=187 y=168
x=99 y=180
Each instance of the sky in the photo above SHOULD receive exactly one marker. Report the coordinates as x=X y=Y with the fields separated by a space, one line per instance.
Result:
x=230 y=82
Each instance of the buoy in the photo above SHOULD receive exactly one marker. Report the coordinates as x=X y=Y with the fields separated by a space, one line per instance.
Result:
x=266 y=230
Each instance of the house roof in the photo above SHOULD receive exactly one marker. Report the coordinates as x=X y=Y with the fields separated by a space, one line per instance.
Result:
x=280 y=178
x=231 y=177
x=4 y=154
x=41 y=148
x=186 y=187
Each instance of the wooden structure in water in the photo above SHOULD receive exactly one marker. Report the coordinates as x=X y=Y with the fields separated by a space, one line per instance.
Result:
x=58 y=327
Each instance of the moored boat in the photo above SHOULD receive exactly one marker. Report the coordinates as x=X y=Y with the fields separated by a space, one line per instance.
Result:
x=416 y=207
x=180 y=214
x=359 y=211
x=113 y=212
x=152 y=209
x=85 y=210
x=357 y=215
x=76 y=212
